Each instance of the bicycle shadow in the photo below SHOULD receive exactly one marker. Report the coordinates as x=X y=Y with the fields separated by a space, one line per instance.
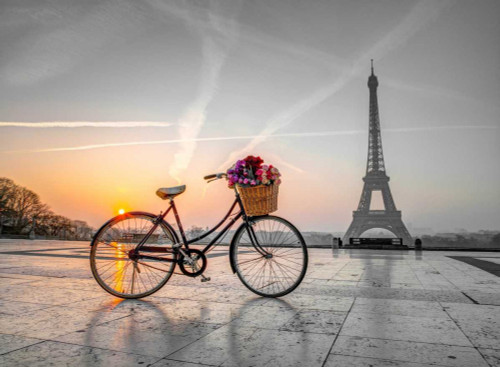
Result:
x=258 y=326
x=145 y=329
x=155 y=328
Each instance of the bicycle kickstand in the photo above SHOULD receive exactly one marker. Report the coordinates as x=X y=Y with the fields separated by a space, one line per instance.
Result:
x=204 y=278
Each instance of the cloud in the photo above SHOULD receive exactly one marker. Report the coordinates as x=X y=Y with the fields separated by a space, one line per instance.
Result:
x=73 y=124
x=62 y=36
x=434 y=91
x=195 y=15
x=256 y=137
x=421 y=14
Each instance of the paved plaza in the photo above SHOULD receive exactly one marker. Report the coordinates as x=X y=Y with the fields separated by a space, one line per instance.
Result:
x=354 y=308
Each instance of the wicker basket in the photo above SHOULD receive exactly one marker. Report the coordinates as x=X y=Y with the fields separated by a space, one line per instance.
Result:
x=259 y=200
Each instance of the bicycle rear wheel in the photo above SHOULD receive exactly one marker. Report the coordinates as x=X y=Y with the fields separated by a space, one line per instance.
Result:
x=269 y=256
x=117 y=270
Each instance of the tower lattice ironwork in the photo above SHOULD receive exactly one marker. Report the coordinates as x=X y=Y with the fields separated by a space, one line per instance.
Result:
x=376 y=179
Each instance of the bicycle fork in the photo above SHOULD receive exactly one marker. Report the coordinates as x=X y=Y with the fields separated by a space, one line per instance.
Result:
x=255 y=242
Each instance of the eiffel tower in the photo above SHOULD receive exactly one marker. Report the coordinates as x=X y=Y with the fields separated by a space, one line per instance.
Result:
x=376 y=179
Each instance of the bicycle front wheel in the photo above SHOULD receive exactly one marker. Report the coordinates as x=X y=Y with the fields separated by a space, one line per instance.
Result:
x=121 y=273
x=269 y=255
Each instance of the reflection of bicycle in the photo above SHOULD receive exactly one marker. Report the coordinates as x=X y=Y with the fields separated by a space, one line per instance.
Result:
x=134 y=254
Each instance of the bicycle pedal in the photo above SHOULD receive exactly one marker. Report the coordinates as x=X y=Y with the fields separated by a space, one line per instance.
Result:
x=205 y=279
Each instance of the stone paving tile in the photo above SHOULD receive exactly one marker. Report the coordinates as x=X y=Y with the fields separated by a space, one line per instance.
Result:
x=105 y=302
x=484 y=298
x=9 y=343
x=480 y=323
x=222 y=295
x=56 y=296
x=339 y=283
x=492 y=356
x=239 y=346
x=407 y=328
x=289 y=349
x=315 y=321
x=68 y=283
x=157 y=338
x=192 y=291
x=54 y=321
x=11 y=281
x=60 y=354
x=207 y=312
x=216 y=347
x=300 y=301
x=399 y=307
x=387 y=293
x=19 y=308
x=264 y=317
x=172 y=363
x=404 y=351
x=8 y=275
x=335 y=360
x=56 y=272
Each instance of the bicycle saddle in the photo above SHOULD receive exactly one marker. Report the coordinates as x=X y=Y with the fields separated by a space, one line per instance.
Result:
x=170 y=192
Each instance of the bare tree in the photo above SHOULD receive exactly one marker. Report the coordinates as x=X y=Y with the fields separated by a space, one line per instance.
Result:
x=21 y=207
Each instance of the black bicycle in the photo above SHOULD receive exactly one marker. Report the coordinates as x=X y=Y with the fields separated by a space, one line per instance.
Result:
x=134 y=254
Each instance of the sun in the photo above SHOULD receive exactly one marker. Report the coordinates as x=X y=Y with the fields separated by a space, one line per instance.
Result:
x=121 y=211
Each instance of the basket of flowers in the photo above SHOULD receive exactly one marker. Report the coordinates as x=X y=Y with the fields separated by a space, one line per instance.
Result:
x=257 y=185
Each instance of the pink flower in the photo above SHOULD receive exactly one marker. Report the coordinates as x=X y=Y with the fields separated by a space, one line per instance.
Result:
x=253 y=183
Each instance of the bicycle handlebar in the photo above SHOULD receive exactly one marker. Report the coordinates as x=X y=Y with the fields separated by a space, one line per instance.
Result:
x=215 y=176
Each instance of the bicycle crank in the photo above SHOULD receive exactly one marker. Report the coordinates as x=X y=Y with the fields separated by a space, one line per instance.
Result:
x=193 y=263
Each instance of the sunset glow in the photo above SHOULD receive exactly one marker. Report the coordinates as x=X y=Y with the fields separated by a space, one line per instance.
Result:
x=102 y=104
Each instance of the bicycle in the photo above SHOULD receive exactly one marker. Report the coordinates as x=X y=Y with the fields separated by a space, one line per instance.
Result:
x=134 y=254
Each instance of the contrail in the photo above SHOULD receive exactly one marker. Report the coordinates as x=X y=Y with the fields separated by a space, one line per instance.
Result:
x=217 y=38
x=248 y=137
x=280 y=162
x=418 y=17
x=73 y=124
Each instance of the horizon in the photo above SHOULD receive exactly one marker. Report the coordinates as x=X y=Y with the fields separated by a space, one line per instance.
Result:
x=102 y=104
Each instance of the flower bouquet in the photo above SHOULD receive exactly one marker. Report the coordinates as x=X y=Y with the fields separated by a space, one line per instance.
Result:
x=256 y=183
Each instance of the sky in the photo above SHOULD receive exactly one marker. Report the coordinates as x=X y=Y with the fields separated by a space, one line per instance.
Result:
x=103 y=102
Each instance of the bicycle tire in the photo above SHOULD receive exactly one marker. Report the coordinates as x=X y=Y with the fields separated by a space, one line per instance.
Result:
x=277 y=265
x=112 y=267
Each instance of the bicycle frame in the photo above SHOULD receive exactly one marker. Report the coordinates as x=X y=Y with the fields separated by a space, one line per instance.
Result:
x=185 y=242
